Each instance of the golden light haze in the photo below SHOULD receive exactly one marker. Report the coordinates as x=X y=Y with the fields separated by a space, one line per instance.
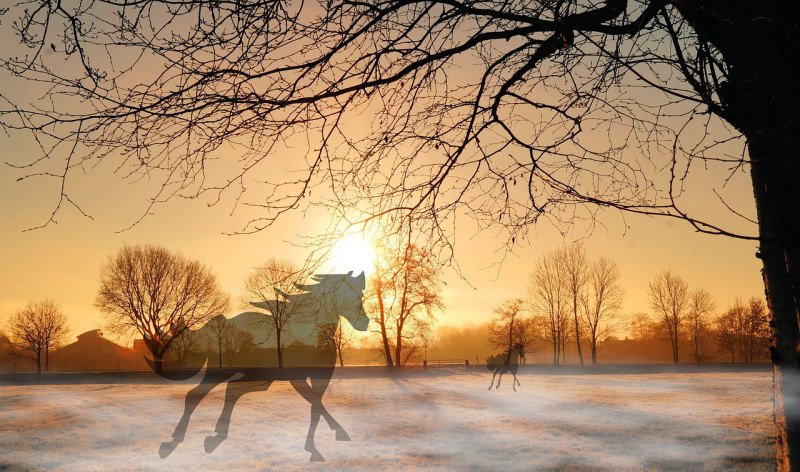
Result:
x=62 y=261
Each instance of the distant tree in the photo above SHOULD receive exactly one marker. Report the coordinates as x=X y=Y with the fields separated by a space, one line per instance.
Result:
x=509 y=326
x=335 y=337
x=756 y=330
x=601 y=301
x=235 y=343
x=218 y=331
x=37 y=328
x=185 y=344
x=574 y=269
x=701 y=307
x=158 y=294
x=550 y=301
x=641 y=326
x=728 y=327
x=743 y=330
x=669 y=299
x=270 y=285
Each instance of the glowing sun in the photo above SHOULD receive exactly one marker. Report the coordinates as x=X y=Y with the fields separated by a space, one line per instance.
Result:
x=353 y=252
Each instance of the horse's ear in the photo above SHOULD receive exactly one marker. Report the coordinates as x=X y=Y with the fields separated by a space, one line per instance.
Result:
x=360 y=280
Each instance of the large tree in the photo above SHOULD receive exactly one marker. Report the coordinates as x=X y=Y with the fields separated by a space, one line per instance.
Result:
x=552 y=121
x=403 y=297
x=37 y=328
x=158 y=294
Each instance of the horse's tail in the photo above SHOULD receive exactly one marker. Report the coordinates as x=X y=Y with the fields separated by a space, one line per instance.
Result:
x=178 y=374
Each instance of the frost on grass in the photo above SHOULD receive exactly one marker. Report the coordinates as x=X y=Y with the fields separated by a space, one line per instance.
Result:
x=553 y=422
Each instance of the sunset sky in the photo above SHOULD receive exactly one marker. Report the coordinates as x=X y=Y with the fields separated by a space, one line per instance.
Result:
x=62 y=261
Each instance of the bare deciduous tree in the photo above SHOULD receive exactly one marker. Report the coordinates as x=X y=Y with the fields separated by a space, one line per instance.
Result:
x=742 y=330
x=337 y=338
x=550 y=77
x=37 y=328
x=185 y=345
x=669 y=299
x=157 y=294
x=268 y=287
x=549 y=299
x=404 y=295
x=236 y=343
x=701 y=307
x=601 y=301
x=509 y=327
x=575 y=271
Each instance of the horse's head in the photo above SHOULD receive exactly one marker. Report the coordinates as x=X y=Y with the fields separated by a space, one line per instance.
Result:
x=351 y=293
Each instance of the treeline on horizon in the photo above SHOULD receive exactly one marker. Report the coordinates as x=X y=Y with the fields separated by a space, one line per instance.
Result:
x=571 y=313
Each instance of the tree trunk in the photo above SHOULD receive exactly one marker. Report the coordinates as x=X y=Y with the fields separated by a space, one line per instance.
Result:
x=159 y=363
x=280 y=350
x=577 y=331
x=675 y=347
x=387 y=352
x=759 y=42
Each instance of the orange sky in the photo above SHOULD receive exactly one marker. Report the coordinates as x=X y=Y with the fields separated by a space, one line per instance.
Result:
x=62 y=261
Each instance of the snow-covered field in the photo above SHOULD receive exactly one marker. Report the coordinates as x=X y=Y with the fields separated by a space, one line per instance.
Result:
x=717 y=421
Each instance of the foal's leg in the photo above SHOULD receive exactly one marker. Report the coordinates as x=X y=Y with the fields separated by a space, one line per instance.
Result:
x=236 y=388
x=493 y=375
x=193 y=398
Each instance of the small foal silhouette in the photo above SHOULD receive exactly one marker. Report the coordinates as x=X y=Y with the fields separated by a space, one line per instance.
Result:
x=505 y=362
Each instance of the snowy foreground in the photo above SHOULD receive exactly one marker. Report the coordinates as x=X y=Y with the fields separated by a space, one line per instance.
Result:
x=673 y=421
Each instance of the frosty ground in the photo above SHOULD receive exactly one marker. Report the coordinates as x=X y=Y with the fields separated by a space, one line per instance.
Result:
x=436 y=421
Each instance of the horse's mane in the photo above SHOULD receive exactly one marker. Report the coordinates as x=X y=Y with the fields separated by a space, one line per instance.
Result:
x=325 y=285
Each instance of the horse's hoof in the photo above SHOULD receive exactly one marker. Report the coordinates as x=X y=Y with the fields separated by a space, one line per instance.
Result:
x=316 y=457
x=212 y=442
x=167 y=447
x=341 y=435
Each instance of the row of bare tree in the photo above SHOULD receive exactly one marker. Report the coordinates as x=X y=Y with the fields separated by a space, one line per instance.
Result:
x=572 y=299
x=164 y=297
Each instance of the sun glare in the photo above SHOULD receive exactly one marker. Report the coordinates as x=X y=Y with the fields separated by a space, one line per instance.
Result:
x=353 y=252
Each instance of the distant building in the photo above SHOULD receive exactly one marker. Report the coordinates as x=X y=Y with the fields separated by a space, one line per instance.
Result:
x=94 y=352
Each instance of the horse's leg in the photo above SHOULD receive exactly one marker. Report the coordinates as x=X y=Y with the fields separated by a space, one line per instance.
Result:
x=499 y=378
x=318 y=388
x=236 y=388
x=306 y=391
x=493 y=376
x=516 y=379
x=193 y=398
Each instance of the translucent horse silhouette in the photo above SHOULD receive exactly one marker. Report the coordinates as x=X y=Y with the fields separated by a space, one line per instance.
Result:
x=317 y=307
x=506 y=362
